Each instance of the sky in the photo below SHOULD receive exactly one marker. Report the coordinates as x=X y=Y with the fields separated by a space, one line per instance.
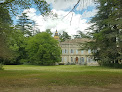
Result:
x=76 y=20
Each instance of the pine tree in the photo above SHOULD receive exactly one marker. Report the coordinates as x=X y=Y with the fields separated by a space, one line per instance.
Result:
x=107 y=31
x=25 y=24
x=5 y=21
x=64 y=36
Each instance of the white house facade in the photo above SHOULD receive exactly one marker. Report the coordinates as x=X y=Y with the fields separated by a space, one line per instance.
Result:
x=71 y=53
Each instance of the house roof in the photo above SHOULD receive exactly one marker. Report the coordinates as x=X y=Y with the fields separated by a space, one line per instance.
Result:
x=75 y=41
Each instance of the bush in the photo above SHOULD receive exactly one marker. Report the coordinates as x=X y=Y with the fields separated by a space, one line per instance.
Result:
x=61 y=63
x=23 y=61
x=107 y=63
x=68 y=63
x=73 y=64
x=1 y=66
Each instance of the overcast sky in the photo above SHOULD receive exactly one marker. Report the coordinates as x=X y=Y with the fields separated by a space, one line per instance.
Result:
x=76 y=20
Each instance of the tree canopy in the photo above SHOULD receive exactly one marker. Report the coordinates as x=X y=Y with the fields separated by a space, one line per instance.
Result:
x=9 y=8
x=43 y=49
x=64 y=36
x=5 y=21
x=107 y=33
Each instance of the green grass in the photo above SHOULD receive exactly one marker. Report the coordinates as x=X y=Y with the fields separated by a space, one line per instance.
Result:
x=65 y=75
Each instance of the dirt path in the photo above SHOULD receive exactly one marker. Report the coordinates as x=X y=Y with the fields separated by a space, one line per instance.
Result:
x=114 y=88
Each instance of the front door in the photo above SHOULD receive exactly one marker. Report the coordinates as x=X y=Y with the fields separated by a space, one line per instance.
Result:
x=76 y=60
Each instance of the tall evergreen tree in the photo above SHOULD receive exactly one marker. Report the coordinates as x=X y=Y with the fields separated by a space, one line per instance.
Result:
x=64 y=36
x=107 y=33
x=5 y=21
x=25 y=24
x=83 y=35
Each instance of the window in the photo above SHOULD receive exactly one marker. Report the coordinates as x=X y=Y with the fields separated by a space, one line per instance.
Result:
x=89 y=51
x=82 y=51
x=74 y=59
x=76 y=51
x=62 y=59
x=65 y=59
x=71 y=59
x=65 y=51
x=88 y=59
x=82 y=59
x=62 y=51
x=72 y=51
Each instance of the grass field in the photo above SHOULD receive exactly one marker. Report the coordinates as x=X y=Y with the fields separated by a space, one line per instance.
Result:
x=30 y=76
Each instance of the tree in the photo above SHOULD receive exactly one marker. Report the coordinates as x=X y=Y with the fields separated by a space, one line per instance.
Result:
x=5 y=21
x=83 y=35
x=107 y=41
x=43 y=49
x=48 y=31
x=1 y=66
x=25 y=24
x=64 y=36
x=13 y=7
x=16 y=43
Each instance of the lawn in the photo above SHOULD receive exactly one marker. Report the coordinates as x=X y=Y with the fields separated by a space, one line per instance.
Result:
x=30 y=76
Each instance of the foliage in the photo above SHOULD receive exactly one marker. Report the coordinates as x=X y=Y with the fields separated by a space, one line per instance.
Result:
x=16 y=43
x=25 y=24
x=5 y=21
x=43 y=49
x=83 y=35
x=9 y=8
x=17 y=6
x=49 y=31
x=1 y=66
x=64 y=36
x=107 y=30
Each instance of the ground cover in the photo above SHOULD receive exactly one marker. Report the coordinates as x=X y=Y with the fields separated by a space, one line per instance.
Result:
x=29 y=77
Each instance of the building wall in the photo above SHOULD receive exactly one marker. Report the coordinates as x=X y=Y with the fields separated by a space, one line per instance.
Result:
x=71 y=51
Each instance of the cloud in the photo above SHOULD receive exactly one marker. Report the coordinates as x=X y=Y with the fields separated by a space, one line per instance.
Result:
x=64 y=4
x=71 y=23
x=30 y=12
x=85 y=3
x=88 y=14
x=69 y=4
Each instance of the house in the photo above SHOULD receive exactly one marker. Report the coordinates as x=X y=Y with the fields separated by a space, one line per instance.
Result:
x=71 y=53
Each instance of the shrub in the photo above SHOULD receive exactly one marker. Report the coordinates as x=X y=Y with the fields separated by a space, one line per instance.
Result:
x=73 y=64
x=1 y=66
x=68 y=63
x=61 y=63
x=23 y=61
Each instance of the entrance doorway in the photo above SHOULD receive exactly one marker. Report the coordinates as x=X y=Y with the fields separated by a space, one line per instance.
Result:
x=76 y=59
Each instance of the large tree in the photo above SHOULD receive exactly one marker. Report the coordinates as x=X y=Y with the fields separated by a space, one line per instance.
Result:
x=16 y=42
x=9 y=8
x=5 y=21
x=107 y=32
x=43 y=49
x=25 y=24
